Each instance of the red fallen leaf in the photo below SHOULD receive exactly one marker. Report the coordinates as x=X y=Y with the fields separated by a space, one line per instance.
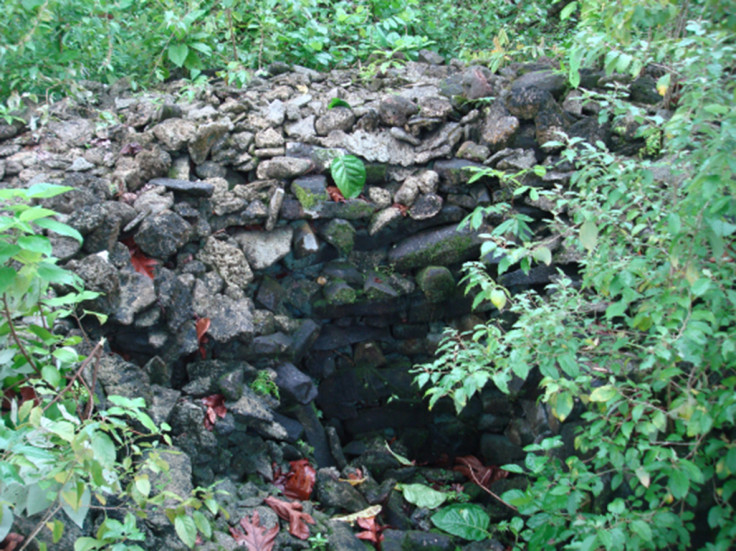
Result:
x=335 y=194
x=298 y=482
x=255 y=537
x=215 y=408
x=481 y=474
x=402 y=208
x=11 y=542
x=141 y=263
x=203 y=325
x=371 y=531
x=131 y=148
x=292 y=511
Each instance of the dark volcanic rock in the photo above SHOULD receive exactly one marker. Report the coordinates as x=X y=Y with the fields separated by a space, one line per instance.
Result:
x=443 y=247
x=163 y=234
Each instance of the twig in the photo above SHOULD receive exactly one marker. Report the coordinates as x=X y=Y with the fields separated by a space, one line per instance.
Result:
x=490 y=492
x=96 y=351
x=16 y=338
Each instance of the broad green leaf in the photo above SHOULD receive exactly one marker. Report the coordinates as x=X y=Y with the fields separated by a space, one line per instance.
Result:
x=466 y=520
x=7 y=277
x=561 y=404
x=663 y=84
x=6 y=520
x=400 y=458
x=203 y=525
x=51 y=375
x=35 y=244
x=78 y=513
x=186 y=530
x=60 y=228
x=178 y=54
x=44 y=191
x=422 y=495
x=589 y=235
x=35 y=213
x=678 y=484
x=103 y=448
x=604 y=393
x=576 y=58
x=337 y=102
x=498 y=298
x=86 y=544
x=143 y=485
x=54 y=274
x=543 y=255
x=349 y=174
x=643 y=475
x=641 y=529
x=568 y=10
x=700 y=287
x=7 y=251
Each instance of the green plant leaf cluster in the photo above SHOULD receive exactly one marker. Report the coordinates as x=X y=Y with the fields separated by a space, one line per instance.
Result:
x=639 y=356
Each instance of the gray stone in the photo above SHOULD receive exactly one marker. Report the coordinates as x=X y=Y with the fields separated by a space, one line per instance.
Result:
x=340 y=234
x=402 y=135
x=437 y=283
x=303 y=339
x=499 y=126
x=473 y=152
x=276 y=112
x=152 y=163
x=525 y=103
x=274 y=345
x=427 y=206
x=229 y=319
x=274 y=208
x=342 y=537
x=520 y=159
x=251 y=410
x=337 y=118
x=499 y=450
x=174 y=134
x=396 y=110
x=339 y=292
x=205 y=137
x=383 y=219
x=398 y=540
x=202 y=189
x=210 y=169
x=443 y=247
x=435 y=107
x=74 y=133
x=263 y=249
x=408 y=192
x=228 y=260
x=305 y=240
x=428 y=56
x=379 y=147
x=332 y=492
x=163 y=234
x=122 y=378
x=283 y=168
x=454 y=173
x=547 y=80
x=295 y=383
x=80 y=164
x=302 y=130
x=101 y=276
x=136 y=294
x=269 y=138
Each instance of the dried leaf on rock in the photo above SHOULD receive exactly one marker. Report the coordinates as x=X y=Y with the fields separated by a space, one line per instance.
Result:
x=298 y=482
x=215 y=408
x=255 y=537
x=203 y=325
x=371 y=531
x=141 y=263
x=483 y=475
x=335 y=194
x=368 y=512
x=291 y=511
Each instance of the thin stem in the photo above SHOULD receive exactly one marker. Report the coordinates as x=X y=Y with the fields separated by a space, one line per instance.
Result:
x=16 y=338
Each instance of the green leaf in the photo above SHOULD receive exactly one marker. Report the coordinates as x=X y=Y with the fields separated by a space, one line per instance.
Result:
x=44 y=191
x=576 y=58
x=400 y=458
x=543 y=255
x=349 y=174
x=86 y=544
x=678 y=484
x=78 y=513
x=337 y=102
x=35 y=213
x=498 y=298
x=6 y=520
x=466 y=520
x=54 y=274
x=568 y=10
x=35 y=244
x=7 y=277
x=561 y=404
x=60 y=228
x=7 y=251
x=143 y=485
x=641 y=529
x=186 y=530
x=604 y=393
x=203 y=525
x=422 y=495
x=589 y=235
x=701 y=286
x=104 y=449
x=57 y=530
x=178 y=54
x=51 y=375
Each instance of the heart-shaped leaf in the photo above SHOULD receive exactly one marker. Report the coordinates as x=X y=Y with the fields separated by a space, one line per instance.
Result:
x=349 y=174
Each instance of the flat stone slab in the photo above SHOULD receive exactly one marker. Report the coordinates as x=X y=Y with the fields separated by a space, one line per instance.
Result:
x=201 y=189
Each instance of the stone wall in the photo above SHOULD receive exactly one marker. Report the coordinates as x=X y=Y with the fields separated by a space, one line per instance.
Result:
x=225 y=198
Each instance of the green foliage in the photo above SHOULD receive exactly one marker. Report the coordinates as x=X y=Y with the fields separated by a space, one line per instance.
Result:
x=422 y=495
x=349 y=175
x=641 y=355
x=264 y=385
x=466 y=520
x=60 y=451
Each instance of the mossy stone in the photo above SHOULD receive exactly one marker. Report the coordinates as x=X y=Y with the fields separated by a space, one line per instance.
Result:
x=436 y=282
